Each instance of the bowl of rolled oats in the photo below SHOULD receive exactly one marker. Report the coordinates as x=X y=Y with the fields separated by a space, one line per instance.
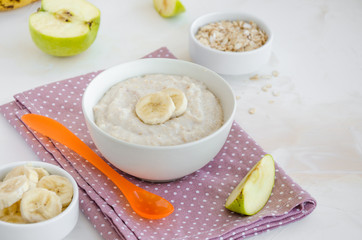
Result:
x=230 y=43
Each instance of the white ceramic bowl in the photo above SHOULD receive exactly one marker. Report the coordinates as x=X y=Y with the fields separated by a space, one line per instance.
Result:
x=55 y=228
x=158 y=163
x=229 y=63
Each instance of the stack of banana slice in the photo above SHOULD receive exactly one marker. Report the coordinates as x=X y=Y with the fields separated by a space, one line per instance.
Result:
x=30 y=194
x=159 y=107
x=6 y=5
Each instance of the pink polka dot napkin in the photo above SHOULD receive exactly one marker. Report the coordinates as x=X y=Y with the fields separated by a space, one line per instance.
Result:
x=198 y=198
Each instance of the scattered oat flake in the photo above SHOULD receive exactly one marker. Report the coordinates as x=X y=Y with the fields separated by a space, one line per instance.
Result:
x=265 y=88
x=266 y=76
x=252 y=110
x=275 y=93
x=237 y=97
x=275 y=73
x=271 y=101
x=255 y=77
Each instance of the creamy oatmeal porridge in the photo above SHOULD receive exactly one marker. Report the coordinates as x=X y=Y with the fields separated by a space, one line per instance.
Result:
x=116 y=113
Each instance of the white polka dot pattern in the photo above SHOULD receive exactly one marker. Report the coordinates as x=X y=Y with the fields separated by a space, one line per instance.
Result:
x=198 y=198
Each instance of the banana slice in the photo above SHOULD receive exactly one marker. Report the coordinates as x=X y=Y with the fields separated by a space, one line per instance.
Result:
x=12 y=190
x=27 y=171
x=11 y=210
x=155 y=108
x=60 y=185
x=41 y=172
x=13 y=219
x=12 y=214
x=39 y=204
x=179 y=99
x=6 y=5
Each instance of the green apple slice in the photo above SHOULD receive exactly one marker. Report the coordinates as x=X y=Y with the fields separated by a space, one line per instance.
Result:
x=64 y=28
x=254 y=190
x=168 y=8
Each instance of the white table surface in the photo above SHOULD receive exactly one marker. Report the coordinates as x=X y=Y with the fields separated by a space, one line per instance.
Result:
x=313 y=128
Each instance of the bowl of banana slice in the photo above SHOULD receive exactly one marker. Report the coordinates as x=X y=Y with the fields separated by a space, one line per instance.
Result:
x=37 y=198
x=159 y=119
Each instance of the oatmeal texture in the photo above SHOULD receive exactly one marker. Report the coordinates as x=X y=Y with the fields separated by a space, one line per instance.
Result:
x=232 y=36
x=115 y=112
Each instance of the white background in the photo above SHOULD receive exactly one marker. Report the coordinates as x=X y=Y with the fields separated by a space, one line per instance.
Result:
x=313 y=128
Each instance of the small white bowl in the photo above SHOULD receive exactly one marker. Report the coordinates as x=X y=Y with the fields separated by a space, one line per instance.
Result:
x=55 y=228
x=229 y=63
x=159 y=163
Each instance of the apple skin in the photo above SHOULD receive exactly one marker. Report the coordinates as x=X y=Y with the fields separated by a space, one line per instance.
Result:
x=179 y=8
x=65 y=47
x=238 y=204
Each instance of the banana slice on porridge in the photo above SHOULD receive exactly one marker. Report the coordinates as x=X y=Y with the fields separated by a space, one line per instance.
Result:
x=179 y=99
x=155 y=108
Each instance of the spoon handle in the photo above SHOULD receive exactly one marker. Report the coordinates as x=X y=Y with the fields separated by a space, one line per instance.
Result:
x=56 y=131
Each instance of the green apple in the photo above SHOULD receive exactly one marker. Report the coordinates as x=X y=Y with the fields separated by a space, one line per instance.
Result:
x=64 y=27
x=254 y=190
x=168 y=8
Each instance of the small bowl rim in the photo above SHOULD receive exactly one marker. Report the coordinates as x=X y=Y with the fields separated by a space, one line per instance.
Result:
x=196 y=26
x=167 y=147
x=74 y=201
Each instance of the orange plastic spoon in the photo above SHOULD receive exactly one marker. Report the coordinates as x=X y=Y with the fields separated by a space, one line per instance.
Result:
x=144 y=203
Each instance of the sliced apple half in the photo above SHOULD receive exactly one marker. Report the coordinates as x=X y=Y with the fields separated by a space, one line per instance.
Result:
x=64 y=27
x=254 y=190
x=168 y=8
